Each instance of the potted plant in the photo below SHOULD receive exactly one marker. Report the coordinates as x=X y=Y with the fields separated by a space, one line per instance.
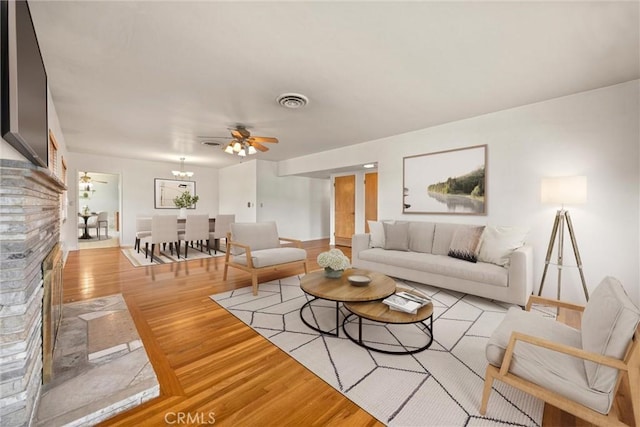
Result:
x=334 y=263
x=184 y=201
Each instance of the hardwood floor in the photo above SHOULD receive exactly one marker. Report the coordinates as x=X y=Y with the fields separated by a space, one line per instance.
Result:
x=210 y=365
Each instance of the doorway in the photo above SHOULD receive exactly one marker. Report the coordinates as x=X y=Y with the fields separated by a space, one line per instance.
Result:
x=98 y=192
x=370 y=199
x=344 y=214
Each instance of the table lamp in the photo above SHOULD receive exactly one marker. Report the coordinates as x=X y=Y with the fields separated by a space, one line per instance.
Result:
x=566 y=190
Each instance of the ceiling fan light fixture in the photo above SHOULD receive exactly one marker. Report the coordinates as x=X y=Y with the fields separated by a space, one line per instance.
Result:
x=243 y=144
x=292 y=100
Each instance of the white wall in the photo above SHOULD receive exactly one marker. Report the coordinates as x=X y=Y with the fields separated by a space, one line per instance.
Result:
x=137 y=184
x=593 y=133
x=237 y=189
x=299 y=205
x=253 y=191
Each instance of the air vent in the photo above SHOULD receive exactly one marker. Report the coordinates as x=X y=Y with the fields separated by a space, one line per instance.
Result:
x=292 y=100
x=211 y=143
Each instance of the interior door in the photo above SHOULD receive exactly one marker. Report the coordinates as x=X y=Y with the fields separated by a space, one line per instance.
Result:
x=370 y=199
x=345 y=207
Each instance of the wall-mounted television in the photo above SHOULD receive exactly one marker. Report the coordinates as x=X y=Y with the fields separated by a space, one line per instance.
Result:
x=23 y=84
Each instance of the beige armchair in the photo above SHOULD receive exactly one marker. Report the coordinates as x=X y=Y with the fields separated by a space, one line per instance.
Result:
x=578 y=371
x=256 y=247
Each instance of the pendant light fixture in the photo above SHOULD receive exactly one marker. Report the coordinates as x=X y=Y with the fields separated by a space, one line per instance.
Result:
x=182 y=173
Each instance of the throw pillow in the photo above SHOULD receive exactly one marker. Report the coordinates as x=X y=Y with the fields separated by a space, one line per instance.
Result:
x=465 y=243
x=376 y=232
x=396 y=236
x=498 y=243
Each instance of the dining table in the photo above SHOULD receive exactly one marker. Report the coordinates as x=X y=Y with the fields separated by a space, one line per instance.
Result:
x=86 y=235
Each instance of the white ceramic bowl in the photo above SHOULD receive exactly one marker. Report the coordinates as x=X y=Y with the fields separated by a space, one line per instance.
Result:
x=359 y=280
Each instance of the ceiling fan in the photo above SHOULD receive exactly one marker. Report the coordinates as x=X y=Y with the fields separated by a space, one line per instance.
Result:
x=244 y=144
x=86 y=179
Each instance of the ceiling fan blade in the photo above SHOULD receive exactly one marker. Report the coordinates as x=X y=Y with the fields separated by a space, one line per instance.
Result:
x=236 y=134
x=258 y=146
x=263 y=139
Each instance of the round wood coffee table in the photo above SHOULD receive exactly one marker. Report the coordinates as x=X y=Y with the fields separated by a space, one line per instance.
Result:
x=341 y=291
x=380 y=312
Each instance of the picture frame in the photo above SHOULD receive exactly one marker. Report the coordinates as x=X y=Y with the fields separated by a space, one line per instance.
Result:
x=446 y=182
x=165 y=190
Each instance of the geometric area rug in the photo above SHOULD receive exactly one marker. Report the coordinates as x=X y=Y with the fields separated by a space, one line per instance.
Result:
x=440 y=386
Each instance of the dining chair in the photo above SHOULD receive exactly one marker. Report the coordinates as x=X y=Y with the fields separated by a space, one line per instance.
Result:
x=196 y=230
x=80 y=224
x=143 y=229
x=222 y=227
x=103 y=221
x=164 y=229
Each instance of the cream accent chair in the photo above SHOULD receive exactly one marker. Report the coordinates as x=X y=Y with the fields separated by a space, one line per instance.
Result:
x=221 y=229
x=255 y=247
x=164 y=229
x=196 y=230
x=578 y=371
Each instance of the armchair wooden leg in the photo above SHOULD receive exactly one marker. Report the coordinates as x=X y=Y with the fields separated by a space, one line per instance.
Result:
x=488 y=382
x=254 y=282
x=634 y=386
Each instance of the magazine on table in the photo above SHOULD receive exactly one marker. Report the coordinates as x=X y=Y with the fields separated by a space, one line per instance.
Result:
x=406 y=302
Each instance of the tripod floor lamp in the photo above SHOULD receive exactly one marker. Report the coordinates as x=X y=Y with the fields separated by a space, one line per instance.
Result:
x=560 y=191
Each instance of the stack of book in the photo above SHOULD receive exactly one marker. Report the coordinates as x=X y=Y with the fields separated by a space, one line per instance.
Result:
x=406 y=302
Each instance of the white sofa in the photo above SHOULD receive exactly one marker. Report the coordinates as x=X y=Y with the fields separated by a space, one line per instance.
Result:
x=424 y=259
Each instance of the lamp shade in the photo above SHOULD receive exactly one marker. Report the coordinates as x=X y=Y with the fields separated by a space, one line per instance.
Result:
x=564 y=190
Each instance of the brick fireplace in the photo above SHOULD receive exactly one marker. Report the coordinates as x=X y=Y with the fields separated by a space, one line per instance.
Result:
x=29 y=231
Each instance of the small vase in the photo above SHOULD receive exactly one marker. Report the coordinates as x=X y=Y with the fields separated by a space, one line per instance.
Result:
x=183 y=212
x=332 y=274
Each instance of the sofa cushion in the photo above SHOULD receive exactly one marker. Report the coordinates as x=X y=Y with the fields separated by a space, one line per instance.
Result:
x=443 y=265
x=396 y=236
x=498 y=243
x=608 y=323
x=465 y=243
x=442 y=236
x=421 y=236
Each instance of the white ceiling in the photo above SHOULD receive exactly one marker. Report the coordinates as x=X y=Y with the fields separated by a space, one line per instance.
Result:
x=141 y=79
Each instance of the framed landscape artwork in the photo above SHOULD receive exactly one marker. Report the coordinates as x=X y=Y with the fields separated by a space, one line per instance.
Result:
x=446 y=182
x=168 y=189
